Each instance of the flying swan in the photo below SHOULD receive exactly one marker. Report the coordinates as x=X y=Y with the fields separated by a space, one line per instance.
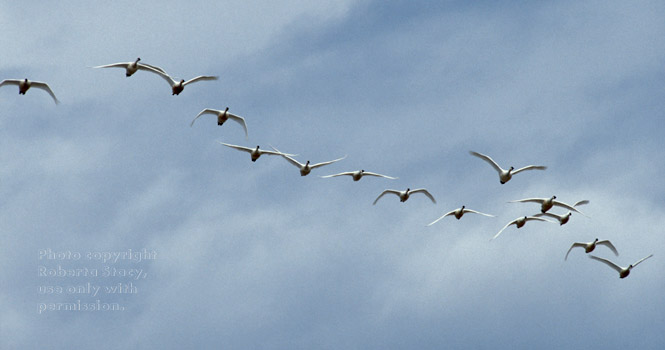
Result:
x=25 y=85
x=506 y=175
x=404 y=195
x=222 y=116
x=623 y=271
x=458 y=213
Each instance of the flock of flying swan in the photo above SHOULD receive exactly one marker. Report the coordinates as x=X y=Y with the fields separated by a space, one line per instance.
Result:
x=505 y=175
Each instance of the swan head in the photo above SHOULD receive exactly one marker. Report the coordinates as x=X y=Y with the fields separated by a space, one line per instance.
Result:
x=26 y=80
x=138 y=59
x=511 y=168
x=553 y=197
x=462 y=207
x=596 y=240
x=307 y=163
x=362 y=171
x=408 y=189
x=257 y=147
x=182 y=81
x=226 y=110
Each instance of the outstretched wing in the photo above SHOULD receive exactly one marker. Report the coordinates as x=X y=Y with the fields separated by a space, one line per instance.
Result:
x=609 y=244
x=529 y=167
x=239 y=148
x=425 y=192
x=476 y=212
x=287 y=157
x=508 y=224
x=384 y=192
x=576 y=244
x=582 y=202
x=199 y=78
x=378 y=175
x=45 y=87
x=567 y=206
x=555 y=216
x=119 y=64
x=534 y=200
x=325 y=163
x=240 y=120
x=162 y=74
x=205 y=111
x=488 y=160
x=644 y=258
x=340 y=174
x=443 y=216
x=608 y=263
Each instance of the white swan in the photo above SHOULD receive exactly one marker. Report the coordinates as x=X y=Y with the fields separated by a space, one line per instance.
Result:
x=590 y=246
x=623 y=271
x=305 y=168
x=177 y=87
x=131 y=67
x=547 y=203
x=24 y=85
x=519 y=222
x=255 y=152
x=563 y=219
x=357 y=175
x=458 y=213
x=222 y=116
x=404 y=195
x=506 y=175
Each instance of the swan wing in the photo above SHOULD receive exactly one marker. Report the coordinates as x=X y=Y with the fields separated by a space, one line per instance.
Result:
x=554 y=216
x=609 y=244
x=425 y=192
x=205 y=111
x=288 y=158
x=531 y=218
x=384 y=192
x=442 y=216
x=576 y=244
x=508 y=224
x=529 y=167
x=325 y=163
x=607 y=262
x=240 y=120
x=119 y=64
x=644 y=258
x=10 y=82
x=45 y=87
x=340 y=174
x=144 y=66
x=199 y=78
x=476 y=212
x=379 y=175
x=582 y=202
x=534 y=200
x=567 y=206
x=239 y=148
x=488 y=160
x=273 y=153
x=162 y=74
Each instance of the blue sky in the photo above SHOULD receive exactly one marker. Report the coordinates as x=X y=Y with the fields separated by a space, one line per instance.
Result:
x=252 y=255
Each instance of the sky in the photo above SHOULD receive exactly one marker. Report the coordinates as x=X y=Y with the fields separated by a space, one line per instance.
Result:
x=253 y=255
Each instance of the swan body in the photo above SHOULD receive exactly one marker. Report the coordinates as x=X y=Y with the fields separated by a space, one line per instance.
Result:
x=458 y=213
x=178 y=86
x=306 y=168
x=623 y=271
x=255 y=153
x=25 y=85
x=506 y=175
x=404 y=195
x=590 y=246
x=519 y=222
x=222 y=116
x=357 y=175
x=547 y=203
x=131 y=67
